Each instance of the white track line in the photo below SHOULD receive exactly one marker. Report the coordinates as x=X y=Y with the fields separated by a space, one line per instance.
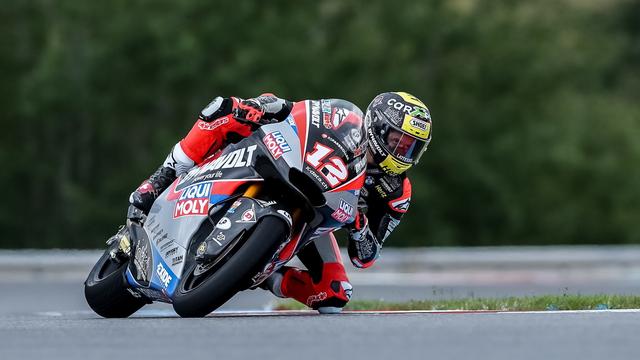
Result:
x=266 y=313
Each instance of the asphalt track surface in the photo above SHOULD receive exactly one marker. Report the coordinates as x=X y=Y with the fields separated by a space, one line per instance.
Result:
x=43 y=314
x=45 y=319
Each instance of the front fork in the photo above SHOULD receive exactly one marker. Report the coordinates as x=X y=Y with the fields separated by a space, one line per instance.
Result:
x=120 y=243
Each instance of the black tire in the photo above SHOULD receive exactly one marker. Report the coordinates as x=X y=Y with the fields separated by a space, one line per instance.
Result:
x=234 y=275
x=106 y=289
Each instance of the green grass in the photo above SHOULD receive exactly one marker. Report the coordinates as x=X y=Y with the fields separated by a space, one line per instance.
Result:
x=528 y=303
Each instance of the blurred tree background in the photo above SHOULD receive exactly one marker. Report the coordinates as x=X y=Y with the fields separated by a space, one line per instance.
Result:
x=535 y=105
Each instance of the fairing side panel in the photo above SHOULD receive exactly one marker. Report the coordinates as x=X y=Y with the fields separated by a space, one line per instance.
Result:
x=179 y=212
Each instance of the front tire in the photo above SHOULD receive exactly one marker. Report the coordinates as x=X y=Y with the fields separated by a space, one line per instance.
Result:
x=106 y=289
x=233 y=275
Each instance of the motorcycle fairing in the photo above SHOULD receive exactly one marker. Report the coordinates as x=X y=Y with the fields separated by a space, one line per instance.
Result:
x=143 y=273
x=244 y=214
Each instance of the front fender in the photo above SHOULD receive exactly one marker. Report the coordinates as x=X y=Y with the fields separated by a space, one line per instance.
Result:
x=238 y=220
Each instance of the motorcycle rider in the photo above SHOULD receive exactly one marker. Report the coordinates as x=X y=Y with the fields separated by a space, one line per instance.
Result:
x=398 y=130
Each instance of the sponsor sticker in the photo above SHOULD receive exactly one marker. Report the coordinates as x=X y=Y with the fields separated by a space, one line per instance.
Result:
x=360 y=165
x=315 y=114
x=234 y=159
x=349 y=142
x=219 y=239
x=234 y=206
x=292 y=123
x=286 y=215
x=401 y=205
x=326 y=106
x=394 y=115
x=356 y=135
x=338 y=116
x=326 y=121
x=377 y=101
x=208 y=126
x=171 y=252
x=311 y=171
x=166 y=245
x=202 y=248
x=266 y=203
x=343 y=212
x=418 y=124
x=417 y=127
x=164 y=276
x=416 y=110
x=248 y=216
x=276 y=143
x=224 y=224
x=177 y=260
x=194 y=200
x=316 y=298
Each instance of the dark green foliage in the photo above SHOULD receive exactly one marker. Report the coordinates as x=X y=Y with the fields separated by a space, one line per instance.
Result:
x=535 y=105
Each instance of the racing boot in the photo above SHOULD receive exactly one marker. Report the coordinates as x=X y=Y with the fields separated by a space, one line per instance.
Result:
x=274 y=283
x=328 y=296
x=176 y=163
x=144 y=196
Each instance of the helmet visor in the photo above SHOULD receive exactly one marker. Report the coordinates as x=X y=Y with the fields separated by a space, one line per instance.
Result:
x=404 y=146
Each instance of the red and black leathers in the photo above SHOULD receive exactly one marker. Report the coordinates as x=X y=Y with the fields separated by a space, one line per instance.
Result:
x=324 y=285
x=384 y=199
x=218 y=123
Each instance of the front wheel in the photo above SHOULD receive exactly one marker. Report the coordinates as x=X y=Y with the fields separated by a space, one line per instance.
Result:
x=106 y=290
x=199 y=297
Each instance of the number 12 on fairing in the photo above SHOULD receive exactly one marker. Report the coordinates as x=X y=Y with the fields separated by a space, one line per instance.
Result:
x=334 y=170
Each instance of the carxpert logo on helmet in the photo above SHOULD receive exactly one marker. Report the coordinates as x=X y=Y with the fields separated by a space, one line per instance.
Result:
x=412 y=110
x=410 y=105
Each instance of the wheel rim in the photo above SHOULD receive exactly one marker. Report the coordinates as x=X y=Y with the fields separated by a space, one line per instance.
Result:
x=108 y=267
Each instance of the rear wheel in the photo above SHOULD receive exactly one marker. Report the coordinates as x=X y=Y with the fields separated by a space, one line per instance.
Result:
x=199 y=294
x=107 y=291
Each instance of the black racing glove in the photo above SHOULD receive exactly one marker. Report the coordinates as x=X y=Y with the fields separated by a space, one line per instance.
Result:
x=264 y=109
x=364 y=248
x=249 y=110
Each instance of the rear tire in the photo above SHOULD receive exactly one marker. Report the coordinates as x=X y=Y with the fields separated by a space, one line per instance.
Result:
x=106 y=289
x=235 y=274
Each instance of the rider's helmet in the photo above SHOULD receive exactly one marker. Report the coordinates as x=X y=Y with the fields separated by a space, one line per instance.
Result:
x=399 y=129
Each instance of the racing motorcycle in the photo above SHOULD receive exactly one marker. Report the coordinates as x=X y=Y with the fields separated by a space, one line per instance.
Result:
x=229 y=223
